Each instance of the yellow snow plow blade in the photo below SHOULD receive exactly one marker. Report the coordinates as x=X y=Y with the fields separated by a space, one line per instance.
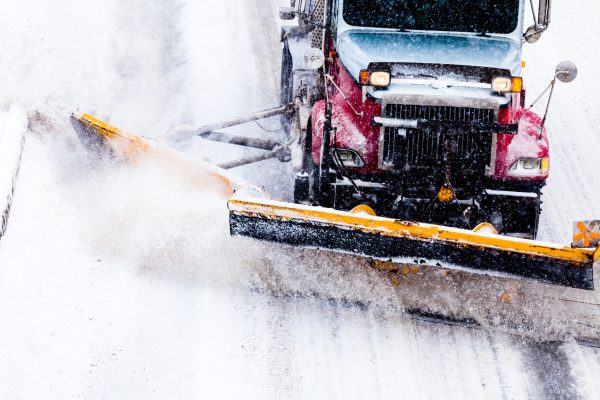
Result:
x=358 y=232
x=411 y=243
x=100 y=137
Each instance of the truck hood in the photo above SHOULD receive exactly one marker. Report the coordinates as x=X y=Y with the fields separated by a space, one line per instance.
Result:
x=359 y=48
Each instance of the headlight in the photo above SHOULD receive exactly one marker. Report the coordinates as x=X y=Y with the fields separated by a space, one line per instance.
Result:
x=378 y=79
x=530 y=167
x=507 y=84
x=349 y=158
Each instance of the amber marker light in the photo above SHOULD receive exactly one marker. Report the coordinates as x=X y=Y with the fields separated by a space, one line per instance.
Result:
x=517 y=85
x=545 y=165
x=364 y=77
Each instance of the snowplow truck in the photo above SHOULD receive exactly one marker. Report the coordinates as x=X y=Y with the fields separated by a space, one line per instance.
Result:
x=411 y=142
x=428 y=119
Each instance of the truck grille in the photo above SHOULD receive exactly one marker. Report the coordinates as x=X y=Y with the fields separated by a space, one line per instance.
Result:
x=440 y=113
x=420 y=148
x=426 y=149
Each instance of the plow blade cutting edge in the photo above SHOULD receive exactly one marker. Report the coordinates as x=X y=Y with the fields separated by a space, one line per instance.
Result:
x=357 y=233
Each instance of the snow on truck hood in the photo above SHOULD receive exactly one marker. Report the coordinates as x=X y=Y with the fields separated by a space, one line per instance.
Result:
x=359 y=48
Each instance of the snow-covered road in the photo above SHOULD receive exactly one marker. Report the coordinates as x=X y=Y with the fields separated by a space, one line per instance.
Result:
x=123 y=283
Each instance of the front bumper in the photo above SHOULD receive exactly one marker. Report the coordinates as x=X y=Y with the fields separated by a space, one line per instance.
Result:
x=511 y=208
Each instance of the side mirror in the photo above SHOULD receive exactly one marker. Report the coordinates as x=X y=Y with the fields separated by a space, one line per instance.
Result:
x=544 y=12
x=566 y=72
x=533 y=33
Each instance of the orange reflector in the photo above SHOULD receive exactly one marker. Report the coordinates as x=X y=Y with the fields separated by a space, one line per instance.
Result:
x=517 y=85
x=364 y=77
x=523 y=64
x=446 y=194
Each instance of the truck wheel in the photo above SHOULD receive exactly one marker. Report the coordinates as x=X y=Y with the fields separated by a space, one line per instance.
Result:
x=520 y=218
x=529 y=219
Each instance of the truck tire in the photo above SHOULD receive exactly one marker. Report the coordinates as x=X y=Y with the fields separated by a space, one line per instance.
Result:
x=518 y=218
x=527 y=219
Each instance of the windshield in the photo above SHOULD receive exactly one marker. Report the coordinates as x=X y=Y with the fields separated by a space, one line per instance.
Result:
x=482 y=16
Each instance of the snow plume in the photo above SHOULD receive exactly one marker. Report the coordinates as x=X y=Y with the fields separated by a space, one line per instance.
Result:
x=110 y=272
x=159 y=226
x=100 y=57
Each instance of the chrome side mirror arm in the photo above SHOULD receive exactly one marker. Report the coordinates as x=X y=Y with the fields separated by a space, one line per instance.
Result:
x=565 y=72
x=541 y=23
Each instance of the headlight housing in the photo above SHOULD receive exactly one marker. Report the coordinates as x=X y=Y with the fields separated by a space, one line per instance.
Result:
x=379 y=79
x=507 y=84
x=349 y=158
x=530 y=167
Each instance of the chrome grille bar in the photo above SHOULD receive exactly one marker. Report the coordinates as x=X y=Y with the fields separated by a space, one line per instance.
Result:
x=440 y=113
